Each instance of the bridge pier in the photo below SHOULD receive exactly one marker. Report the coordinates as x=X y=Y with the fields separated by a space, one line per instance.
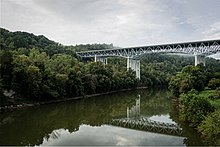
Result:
x=134 y=111
x=199 y=60
x=134 y=64
x=104 y=60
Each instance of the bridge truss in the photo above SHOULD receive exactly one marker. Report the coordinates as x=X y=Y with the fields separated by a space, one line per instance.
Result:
x=146 y=124
x=204 y=48
x=199 y=49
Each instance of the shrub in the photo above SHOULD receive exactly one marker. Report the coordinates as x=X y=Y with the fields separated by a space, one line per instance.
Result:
x=194 y=108
x=214 y=83
x=210 y=128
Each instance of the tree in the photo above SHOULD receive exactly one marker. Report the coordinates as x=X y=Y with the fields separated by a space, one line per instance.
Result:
x=190 y=77
x=6 y=69
x=75 y=84
x=34 y=79
x=60 y=63
x=214 y=83
x=210 y=128
x=89 y=83
x=193 y=108
x=61 y=83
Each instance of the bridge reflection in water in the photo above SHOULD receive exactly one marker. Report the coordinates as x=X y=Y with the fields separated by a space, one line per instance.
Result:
x=134 y=120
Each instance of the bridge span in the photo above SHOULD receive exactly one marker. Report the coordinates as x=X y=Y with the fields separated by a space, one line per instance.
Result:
x=135 y=120
x=146 y=124
x=199 y=49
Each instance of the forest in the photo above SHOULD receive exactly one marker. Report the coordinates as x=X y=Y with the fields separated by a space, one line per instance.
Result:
x=35 y=68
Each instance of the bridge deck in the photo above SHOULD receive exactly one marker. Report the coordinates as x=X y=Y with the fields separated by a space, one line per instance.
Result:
x=206 y=47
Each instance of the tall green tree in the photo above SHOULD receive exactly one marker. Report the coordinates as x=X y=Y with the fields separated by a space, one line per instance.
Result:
x=191 y=77
x=6 y=68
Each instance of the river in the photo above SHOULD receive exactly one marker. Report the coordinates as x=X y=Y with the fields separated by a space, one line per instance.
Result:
x=88 y=122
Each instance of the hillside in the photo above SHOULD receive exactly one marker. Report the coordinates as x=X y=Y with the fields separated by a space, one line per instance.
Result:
x=14 y=40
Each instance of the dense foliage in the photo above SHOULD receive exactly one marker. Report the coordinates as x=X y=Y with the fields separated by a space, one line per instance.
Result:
x=191 y=77
x=14 y=40
x=210 y=128
x=214 y=83
x=157 y=69
x=196 y=107
x=39 y=77
x=34 y=75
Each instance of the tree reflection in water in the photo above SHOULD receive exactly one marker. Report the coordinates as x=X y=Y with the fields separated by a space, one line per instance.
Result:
x=29 y=126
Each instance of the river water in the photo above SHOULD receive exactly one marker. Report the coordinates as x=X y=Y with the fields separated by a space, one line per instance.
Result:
x=88 y=122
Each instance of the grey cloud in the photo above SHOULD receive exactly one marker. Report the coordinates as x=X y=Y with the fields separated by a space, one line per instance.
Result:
x=81 y=11
x=213 y=31
x=121 y=22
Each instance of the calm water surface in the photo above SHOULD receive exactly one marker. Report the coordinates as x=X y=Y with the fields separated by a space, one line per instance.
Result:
x=86 y=122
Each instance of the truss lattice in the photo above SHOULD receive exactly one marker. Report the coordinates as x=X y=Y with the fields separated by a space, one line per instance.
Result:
x=203 y=48
x=148 y=125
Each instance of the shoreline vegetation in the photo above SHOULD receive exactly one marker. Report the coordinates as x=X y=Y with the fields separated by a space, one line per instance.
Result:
x=197 y=92
x=22 y=105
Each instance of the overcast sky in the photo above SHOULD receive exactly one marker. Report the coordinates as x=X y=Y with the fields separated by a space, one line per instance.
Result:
x=121 y=22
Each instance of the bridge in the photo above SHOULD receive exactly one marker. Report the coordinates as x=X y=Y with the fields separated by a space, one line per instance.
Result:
x=199 y=49
x=146 y=124
x=134 y=120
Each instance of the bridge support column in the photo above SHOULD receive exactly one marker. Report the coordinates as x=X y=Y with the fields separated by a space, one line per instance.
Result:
x=134 y=111
x=134 y=64
x=199 y=60
x=104 y=60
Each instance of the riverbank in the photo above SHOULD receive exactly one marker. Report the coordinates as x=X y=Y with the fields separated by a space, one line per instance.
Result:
x=10 y=108
x=201 y=110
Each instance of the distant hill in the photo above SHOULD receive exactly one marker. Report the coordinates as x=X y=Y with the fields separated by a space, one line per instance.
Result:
x=14 y=40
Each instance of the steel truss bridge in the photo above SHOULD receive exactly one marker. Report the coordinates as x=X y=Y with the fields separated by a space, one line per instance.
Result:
x=134 y=120
x=199 y=49
x=145 y=124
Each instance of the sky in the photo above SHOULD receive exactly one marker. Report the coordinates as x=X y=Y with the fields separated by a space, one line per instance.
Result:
x=124 y=23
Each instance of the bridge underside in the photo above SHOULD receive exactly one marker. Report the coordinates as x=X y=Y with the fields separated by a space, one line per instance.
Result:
x=199 y=49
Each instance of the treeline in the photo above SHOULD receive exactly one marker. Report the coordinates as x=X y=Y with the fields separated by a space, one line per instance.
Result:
x=14 y=40
x=156 y=69
x=37 y=76
x=198 y=92
x=195 y=77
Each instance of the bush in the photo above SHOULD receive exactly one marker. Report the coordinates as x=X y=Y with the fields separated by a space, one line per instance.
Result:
x=194 y=108
x=214 y=83
x=189 y=78
x=210 y=128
